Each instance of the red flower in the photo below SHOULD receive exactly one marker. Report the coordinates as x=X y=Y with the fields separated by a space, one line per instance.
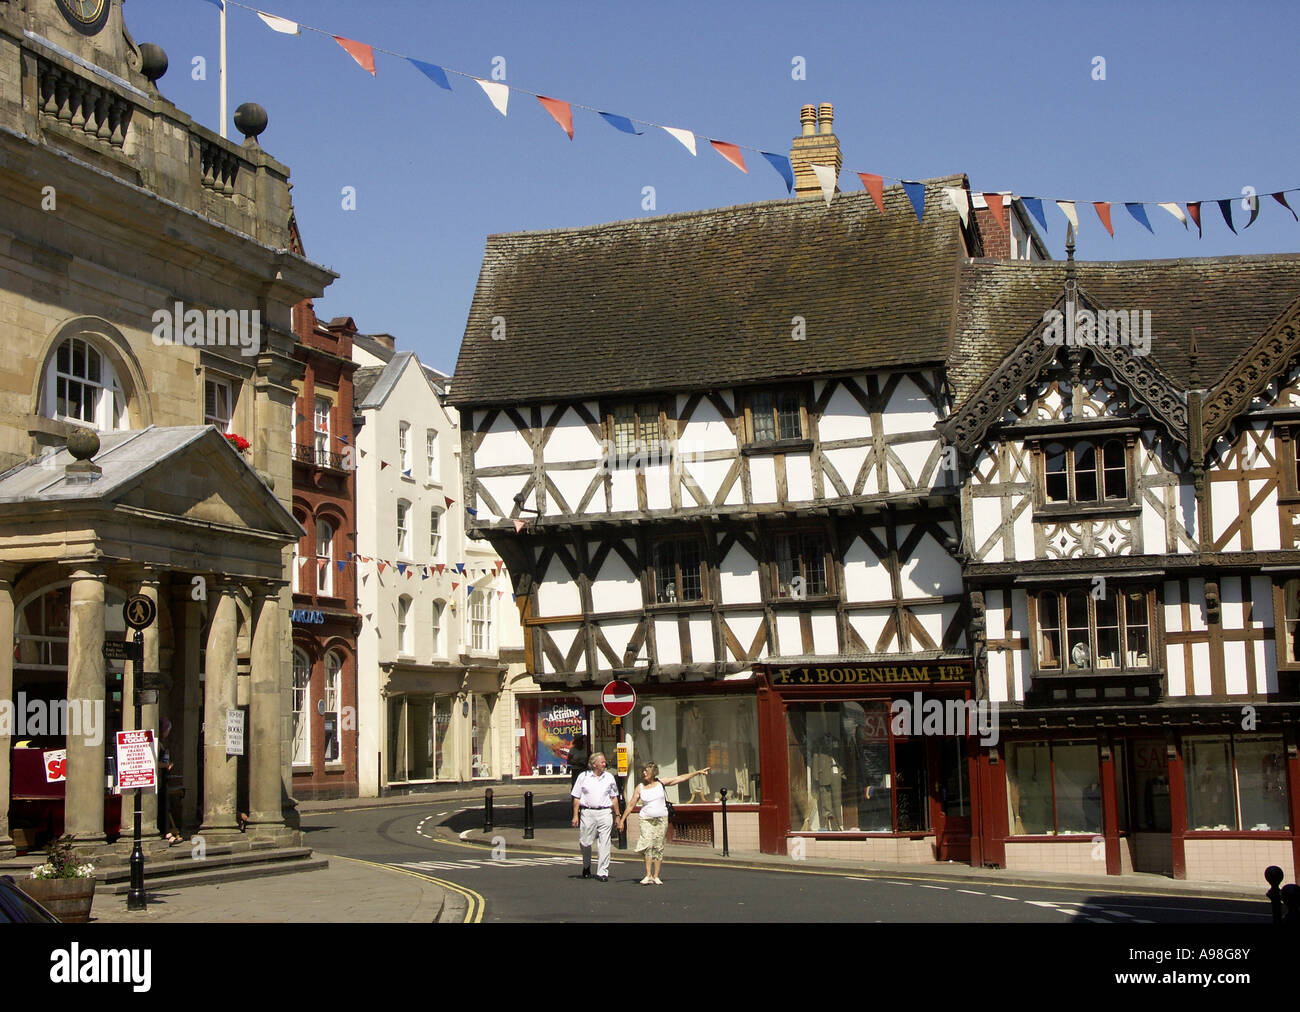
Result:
x=238 y=442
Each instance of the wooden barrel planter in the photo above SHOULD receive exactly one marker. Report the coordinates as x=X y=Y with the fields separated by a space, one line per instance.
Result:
x=68 y=899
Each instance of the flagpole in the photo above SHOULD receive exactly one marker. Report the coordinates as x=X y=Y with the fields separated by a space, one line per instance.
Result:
x=222 y=71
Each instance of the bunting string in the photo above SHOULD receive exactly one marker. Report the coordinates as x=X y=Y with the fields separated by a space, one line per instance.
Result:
x=561 y=111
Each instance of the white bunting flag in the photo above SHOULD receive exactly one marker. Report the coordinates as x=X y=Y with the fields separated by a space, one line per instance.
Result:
x=1067 y=209
x=278 y=24
x=826 y=179
x=1176 y=211
x=499 y=93
x=685 y=136
x=959 y=200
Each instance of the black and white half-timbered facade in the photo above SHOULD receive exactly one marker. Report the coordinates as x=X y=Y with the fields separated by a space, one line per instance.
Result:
x=810 y=475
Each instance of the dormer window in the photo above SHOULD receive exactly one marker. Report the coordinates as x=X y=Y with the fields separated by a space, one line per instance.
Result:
x=1085 y=472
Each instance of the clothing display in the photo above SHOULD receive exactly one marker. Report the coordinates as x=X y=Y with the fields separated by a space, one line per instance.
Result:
x=743 y=738
x=696 y=743
x=828 y=777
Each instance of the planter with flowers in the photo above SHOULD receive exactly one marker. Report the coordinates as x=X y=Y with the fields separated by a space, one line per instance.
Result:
x=238 y=442
x=61 y=885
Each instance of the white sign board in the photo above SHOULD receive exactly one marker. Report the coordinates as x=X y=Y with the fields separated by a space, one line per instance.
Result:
x=136 y=769
x=234 y=732
x=56 y=765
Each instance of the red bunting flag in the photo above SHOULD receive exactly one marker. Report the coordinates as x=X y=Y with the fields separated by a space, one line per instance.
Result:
x=499 y=593
x=410 y=573
x=381 y=566
x=520 y=525
x=440 y=567
x=450 y=502
x=1194 y=209
x=454 y=584
x=731 y=153
x=994 y=200
x=498 y=565
x=359 y=51
x=876 y=187
x=1103 y=212
x=561 y=112
x=383 y=464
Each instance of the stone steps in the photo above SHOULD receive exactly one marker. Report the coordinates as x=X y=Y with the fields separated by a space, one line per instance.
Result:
x=214 y=868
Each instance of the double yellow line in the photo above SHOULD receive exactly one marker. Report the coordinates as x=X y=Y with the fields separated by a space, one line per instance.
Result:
x=475 y=903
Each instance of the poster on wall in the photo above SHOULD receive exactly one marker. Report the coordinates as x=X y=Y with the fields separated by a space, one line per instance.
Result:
x=559 y=721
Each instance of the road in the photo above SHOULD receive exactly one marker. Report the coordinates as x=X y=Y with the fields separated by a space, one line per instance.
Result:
x=546 y=885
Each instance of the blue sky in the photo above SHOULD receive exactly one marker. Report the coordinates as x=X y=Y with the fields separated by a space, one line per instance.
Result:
x=1197 y=103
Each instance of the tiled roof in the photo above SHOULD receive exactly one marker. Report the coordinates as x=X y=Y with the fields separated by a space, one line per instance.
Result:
x=1226 y=303
x=707 y=299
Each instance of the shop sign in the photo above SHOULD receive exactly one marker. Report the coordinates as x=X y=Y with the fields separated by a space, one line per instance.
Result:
x=56 y=765
x=304 y=617
x=234 y=732
x=135 y=761
x=874 y=674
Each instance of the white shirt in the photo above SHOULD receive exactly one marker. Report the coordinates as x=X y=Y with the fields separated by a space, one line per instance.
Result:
x=595 y=791
x=653 y=805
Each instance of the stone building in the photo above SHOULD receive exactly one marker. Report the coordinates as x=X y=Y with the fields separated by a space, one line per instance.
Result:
x=146 y=286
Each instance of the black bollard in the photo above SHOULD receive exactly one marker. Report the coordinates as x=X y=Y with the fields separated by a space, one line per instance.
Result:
x=1273 y=876
x=487 y=810
x=528 y=815
x=726 y=851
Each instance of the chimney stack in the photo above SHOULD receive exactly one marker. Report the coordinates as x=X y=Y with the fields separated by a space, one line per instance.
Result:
x=815 y=145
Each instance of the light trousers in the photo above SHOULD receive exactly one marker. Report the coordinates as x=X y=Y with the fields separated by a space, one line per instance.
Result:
x=595 y=826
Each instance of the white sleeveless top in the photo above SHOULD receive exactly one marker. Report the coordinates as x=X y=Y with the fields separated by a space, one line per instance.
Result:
x=653 y=804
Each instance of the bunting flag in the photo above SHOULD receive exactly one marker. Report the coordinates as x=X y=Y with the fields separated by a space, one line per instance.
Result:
x=449 y=501
x=383 y=464
x=959 y=199
x=1035 y=206
x=454 y=584
x=432 y=71
x=782 y=165
x=359 y=51
x=731 y=153
x=469 y=588
x=621 y=123
x=826 y=179
x=499 y=593
x=471 y=511
x=875 y=185
x=1176 y=211
x=561 y=112
x=1068 y=209
x=218 y=3
x=407 y=472
x=349 y=556
x=1103 y=212
x=460 y=568
x=380 y=565
x=343 y=439
x=1281 y=199
x=519 y=526
x=499 y=564
x=994 y=200
x=401 y=568
x=1254 y=211
x=440 y=567
x=1194 y=209
x=278 y=24
x=410 y=573
x=342 y=565
x=302 y=418
x=1140 y=215
x=498 y=93
x=916 y=194
x=686 y=138
x=1225 y=208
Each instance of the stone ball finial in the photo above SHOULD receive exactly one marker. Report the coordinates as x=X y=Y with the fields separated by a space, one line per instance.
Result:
x=83 y=443
x=153 y=62
x=251 y=120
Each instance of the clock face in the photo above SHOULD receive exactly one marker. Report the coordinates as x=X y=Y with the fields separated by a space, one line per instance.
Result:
x=86 y=16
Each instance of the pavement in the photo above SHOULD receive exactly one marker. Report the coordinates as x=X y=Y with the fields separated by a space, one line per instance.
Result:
x=364 y=892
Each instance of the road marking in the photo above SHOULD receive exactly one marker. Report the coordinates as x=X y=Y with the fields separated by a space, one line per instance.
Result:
x=891 y=882
x=1041 y=903
x=1013 y=899
x=971 y=892
x=475 y=903
x=940 y=888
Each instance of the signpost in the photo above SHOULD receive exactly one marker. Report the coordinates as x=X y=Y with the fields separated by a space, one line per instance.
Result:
x=139 y=612
x=618 y=698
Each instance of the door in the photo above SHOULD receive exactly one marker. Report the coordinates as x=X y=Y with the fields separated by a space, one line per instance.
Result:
x=950 y=801
x=1147 y=798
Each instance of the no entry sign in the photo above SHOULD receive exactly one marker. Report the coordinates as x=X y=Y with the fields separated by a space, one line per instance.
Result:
x=618 y=698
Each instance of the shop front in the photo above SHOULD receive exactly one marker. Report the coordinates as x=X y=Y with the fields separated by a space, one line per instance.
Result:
x=440 y=726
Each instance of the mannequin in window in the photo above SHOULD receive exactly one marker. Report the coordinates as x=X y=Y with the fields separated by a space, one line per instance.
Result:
x=744 y=736
x=696 y=743
x=828 y=776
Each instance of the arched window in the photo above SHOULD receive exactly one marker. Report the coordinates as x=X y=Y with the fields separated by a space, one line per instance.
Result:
x=333 y=693
x=301 y=717
x=404 y=630
x=82 y=387
x=324 y=557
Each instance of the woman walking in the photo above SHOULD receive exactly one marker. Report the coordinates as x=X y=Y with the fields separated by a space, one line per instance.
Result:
x=653 y=797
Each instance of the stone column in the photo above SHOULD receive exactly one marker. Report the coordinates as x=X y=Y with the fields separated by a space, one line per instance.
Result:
x=84 y=804
x=264 y=709
x=6 y=696
x=219 y=770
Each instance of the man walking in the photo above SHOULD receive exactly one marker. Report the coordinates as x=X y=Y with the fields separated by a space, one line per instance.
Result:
x=595 y=806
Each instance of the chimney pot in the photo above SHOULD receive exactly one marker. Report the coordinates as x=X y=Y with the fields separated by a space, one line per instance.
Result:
x=808 y=117
x=826 y=118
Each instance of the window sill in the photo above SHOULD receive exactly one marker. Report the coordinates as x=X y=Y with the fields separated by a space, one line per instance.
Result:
x=1101 y=674
x=1085 y=511
x=778 y=446
x=671 y=606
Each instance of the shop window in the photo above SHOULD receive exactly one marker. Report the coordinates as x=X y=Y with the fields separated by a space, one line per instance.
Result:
x=800 y=564
x=1145 y=782
x=715 y=731
x=81 y=386
x=550 y=725
x=1053 y=788
x=333 y=690
x=301 y=714
x=775 y=416
x=481 y=736
x=679 y=573
x=1078 y=631
x=1085 y=472
x=1236 y=783
x=445 y=767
